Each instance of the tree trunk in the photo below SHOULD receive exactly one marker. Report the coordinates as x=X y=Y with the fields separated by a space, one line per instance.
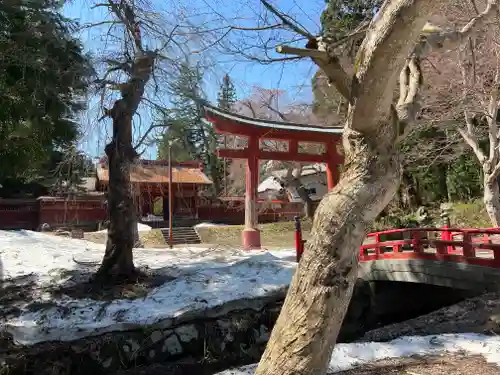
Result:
x=305 y=333
x=307 y=328
x=137 y=238
x=118 y=258
x=295 y=183
x=491 y=200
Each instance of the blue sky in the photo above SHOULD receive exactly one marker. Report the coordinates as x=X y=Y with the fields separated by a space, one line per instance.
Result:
x=293 y=77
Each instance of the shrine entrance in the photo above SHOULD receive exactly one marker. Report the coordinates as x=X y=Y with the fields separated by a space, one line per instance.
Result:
x=293 y=135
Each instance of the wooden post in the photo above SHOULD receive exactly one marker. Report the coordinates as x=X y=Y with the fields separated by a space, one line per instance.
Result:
x=332 y=173
x=225 y=167
x=170 y=200
x=299 y=245
x=251 y=235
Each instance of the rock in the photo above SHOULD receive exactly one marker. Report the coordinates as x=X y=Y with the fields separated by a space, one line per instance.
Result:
x=156 y=336
x=187 y=333
x=172 y=345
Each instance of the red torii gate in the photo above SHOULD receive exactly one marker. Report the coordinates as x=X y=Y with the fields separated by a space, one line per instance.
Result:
x=231 y=124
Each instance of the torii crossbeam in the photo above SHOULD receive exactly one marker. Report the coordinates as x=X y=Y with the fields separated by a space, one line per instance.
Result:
x=255 y=130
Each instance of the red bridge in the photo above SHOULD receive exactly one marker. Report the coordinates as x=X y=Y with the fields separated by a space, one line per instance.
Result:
x=453 y=257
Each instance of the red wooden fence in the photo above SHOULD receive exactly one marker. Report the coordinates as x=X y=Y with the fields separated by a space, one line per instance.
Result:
x=475 y=246
x=18 y=214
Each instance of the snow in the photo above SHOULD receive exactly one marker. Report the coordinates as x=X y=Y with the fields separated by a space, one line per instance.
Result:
x=140 y=228
x=204 y=278
x=151 y=217
x=348 y=356
x=205 y=225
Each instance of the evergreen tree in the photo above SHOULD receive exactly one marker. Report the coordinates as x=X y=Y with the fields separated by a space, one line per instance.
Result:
x=189 y=137
x=44 y=75
x=341 y=17
x=227 y=94
x=226 y=100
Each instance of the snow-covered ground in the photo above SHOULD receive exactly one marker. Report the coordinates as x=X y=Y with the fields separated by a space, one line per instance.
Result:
x=347 y=356
x=204 y=278
x=140 y=227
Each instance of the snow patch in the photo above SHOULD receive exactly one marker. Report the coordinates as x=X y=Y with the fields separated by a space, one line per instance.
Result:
x=348 y=356
x=140 y=227
x=203 y=278
x=208 y=225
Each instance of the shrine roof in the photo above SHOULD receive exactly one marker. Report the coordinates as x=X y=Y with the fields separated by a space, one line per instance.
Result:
x=156 y=172
x=212 y=112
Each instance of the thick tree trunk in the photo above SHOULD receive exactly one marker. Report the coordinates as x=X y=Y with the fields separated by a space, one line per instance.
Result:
x=118 y=258
x=491 y=200
x=306 y=331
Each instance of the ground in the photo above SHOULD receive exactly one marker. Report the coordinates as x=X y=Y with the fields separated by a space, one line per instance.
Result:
x=382 y=358
x=282 y=234
x=151 y=239
x=43 y=277
x=429 y=365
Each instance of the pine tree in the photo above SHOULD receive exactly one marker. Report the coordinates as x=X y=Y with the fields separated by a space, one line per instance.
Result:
x=44 y=77
x=226 y=100
x=189 y=137
x=227 y=94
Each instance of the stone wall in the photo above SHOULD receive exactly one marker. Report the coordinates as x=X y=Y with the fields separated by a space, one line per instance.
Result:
x=230 y=335
x=239 y=337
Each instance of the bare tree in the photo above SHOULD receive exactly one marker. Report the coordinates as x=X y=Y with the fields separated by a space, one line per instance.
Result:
x=395 y=43
x=479 y=62
x=129 y=67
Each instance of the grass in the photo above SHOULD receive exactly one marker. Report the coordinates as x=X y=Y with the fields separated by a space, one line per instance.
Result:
x=273 y=235
x=281 y=235
x=152 y=238
x=470 y=215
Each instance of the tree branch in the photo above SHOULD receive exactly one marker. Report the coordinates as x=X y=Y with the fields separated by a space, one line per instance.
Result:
x=471 y=140
x=494 y=173
x=434 y=37
x=146 y=134
x=287 y=20
x=330 y=65
x=492 y=115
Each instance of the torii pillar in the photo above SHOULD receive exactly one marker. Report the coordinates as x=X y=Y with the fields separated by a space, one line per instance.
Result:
x=251 y=235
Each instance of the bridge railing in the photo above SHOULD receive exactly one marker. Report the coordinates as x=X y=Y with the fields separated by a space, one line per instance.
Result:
x=475 y=246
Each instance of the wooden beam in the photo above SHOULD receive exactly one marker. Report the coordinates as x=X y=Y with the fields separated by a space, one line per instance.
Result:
x=273 y=155
x=223 y=126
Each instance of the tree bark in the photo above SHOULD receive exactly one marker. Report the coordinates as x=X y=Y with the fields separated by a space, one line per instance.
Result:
x=306 y=331
x=118 y=263
x=292 y=181
x=295 y=183
x=491 y=199
x=118 y=257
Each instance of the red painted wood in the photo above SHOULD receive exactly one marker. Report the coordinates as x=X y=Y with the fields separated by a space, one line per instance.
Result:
x=273 y=155
x=224 y=126
x=413 y=248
